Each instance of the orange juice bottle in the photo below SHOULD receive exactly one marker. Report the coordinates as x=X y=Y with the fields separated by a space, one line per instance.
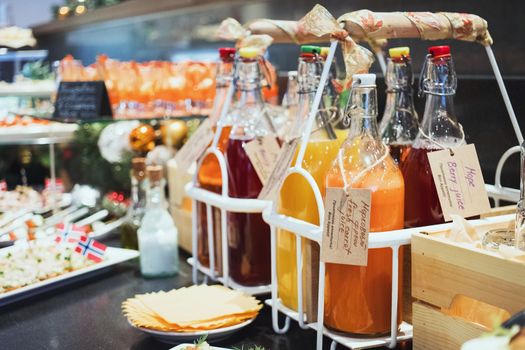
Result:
x=297 y=197
x=358 y=298
x=209 y=176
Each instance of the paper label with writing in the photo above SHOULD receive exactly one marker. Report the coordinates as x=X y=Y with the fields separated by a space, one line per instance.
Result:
x=195 y=146
x=272 y=186
x=346 y=226
x=263 y=153
x=459 y=182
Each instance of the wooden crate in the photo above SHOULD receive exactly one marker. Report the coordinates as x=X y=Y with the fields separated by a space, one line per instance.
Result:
x=444 y=271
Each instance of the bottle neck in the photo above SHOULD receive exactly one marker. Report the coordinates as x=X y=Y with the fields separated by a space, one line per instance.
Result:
x=309 y=74
x=439 y=127
x=156 y=198
x=363 y=111
x=138 y=195
x=223 y=80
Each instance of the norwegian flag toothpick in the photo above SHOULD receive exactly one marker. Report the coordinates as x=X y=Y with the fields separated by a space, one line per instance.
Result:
x=70 y=233
x=91 y=249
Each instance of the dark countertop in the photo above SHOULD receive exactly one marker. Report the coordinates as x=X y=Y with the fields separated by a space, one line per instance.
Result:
x=87 y=315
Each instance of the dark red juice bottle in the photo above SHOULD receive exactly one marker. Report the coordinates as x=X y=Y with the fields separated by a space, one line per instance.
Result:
x=439 y=129
x=248 y=234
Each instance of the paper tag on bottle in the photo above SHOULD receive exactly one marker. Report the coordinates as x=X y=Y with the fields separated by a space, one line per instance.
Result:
x=263 y=152
x=195 y=146
x=346 y=226
x=459 y=182
x=275 y=180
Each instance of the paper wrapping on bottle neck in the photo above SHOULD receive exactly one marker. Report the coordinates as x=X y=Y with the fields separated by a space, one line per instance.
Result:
x=230 y=29
x=375 y=26
x=321 y=23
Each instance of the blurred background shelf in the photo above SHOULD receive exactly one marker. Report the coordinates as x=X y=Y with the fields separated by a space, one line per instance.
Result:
x=124 y=10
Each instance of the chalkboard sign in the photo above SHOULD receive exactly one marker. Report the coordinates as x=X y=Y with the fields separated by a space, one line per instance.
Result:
x=83 y=100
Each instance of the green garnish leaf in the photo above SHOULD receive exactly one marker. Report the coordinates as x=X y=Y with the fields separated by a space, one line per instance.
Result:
x=201 y=340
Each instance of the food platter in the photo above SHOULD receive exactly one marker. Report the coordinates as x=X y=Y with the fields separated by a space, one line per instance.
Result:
x=112 y=257
x=179 y=337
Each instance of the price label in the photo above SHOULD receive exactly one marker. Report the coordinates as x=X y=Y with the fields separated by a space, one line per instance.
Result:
x=195 y=146
x=346 y=226
x=459 y=182
x=263 y=153
x=275 y=180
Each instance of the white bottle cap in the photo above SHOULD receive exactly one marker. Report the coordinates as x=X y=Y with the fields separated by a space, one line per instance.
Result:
x=364 y=79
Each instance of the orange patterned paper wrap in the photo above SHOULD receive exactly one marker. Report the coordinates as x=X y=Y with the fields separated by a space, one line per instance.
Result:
x=375 y=27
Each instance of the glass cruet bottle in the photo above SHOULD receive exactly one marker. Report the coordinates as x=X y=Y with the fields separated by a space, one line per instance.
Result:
x=358 y=298
x=439 y=130
x=157 y=235
x=400 y=125
x=209 y=175
x=248 y=234
x=128 y=230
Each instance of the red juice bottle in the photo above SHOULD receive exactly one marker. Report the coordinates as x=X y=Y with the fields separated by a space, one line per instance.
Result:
x=439 y=130
x=209 y=176
x=248 y=234
x=399 y=126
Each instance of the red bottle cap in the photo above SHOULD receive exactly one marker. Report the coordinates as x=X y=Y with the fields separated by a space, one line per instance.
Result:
x=227 y=53
x=439 y=51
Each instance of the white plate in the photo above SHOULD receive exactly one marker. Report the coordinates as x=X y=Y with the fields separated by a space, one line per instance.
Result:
x=113 y=256
x=183 y=347
x=179 y=337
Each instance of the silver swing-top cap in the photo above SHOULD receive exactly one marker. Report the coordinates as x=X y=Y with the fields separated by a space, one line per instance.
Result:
x=364 y=79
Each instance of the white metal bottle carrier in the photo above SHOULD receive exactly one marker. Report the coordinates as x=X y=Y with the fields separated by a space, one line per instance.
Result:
x=391 y=239
x=225 y=204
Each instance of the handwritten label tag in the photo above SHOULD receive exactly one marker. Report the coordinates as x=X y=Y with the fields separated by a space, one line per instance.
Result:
x=272 y=186
x=263 y=152
x=195 y=146
x=346 y=226
x=459 y=182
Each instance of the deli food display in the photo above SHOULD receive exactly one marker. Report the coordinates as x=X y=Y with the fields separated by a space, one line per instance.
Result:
x=355 y=213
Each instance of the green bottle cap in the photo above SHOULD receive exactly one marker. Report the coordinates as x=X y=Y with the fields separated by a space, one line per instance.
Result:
x=310 y=49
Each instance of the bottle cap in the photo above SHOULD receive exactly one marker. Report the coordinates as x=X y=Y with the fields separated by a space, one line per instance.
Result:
x=227 y=53
x=310 y=49
x=364 y=79
x=155 y=173
x=399 y=52
x=249 y=52
x=439 y=51
x=324 y=51
x=138 y=168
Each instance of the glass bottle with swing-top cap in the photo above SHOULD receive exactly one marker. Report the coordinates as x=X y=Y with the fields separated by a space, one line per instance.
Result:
x=439 y=130
x=209 y=176
x=297 y=197
x=358 y=298
x=248 y=234
x=400 y=125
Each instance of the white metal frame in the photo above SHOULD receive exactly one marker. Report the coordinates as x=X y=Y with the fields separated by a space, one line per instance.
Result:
x=225 y=204
x=391 y=239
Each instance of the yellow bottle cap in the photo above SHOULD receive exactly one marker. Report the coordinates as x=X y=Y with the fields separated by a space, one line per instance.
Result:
x=249 y=52
x=325 y=51
x=398 y=52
